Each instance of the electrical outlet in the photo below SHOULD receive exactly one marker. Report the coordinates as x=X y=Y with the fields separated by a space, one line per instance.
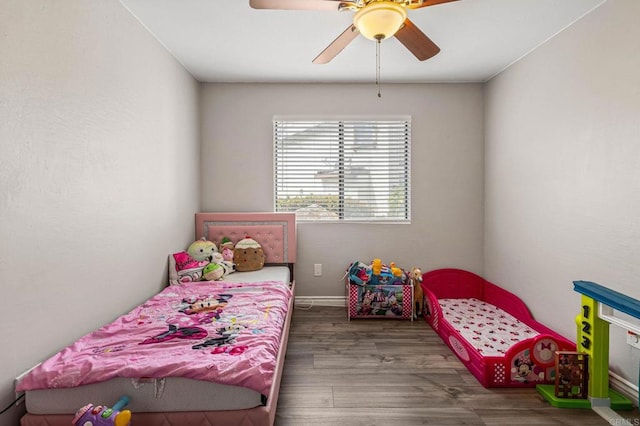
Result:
x=317 y=270
x=633 y=339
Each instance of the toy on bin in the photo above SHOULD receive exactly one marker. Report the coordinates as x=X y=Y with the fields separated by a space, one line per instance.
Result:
x=101 y=415
x=382 y=274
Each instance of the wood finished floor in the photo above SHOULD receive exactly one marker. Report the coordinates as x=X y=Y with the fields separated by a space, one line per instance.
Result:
x=394 y=372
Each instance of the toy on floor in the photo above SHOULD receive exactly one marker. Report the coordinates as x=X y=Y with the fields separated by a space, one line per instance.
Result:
x=415 y=279
x=101 y=415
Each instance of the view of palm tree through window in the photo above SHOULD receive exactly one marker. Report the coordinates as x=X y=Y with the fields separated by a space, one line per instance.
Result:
x=350 y=170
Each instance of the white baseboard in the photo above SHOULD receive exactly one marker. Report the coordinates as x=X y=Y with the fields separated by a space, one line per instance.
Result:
x=624 y=387
x=305 y=301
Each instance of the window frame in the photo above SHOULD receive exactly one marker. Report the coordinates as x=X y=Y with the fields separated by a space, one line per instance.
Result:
x=406 y=165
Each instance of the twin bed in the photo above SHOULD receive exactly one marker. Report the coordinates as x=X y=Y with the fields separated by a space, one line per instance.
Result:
x=196 y=353
x=490 y=330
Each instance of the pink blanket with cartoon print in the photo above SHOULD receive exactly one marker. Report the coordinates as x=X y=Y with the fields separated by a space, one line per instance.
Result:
x=221 y=332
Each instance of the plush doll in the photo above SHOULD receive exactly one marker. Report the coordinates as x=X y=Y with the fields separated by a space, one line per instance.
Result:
x=229 y=267
x=248 y=255
x=226 y=248
x=202 y=249
x=359 y=273
x=213 y=272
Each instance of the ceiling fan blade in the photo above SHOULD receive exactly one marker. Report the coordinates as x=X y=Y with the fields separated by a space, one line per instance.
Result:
x=427 y=3
x=337 y=45
x=330 y=5
x=416 y=41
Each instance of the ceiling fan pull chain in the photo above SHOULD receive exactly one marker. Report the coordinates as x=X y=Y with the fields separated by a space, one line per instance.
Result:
x=378 y=67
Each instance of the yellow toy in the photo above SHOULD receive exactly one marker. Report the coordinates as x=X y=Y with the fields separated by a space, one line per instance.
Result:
x=397 y=272
x=376 y=266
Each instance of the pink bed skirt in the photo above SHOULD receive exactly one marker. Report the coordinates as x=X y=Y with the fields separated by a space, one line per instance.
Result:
x=251 y=417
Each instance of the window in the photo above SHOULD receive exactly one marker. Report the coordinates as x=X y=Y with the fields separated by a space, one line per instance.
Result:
x=343 y=170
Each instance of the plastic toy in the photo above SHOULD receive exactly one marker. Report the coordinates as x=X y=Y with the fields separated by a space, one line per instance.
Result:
x=395 y=271
x=101 y=415
x=376 y=266
x=384 y=275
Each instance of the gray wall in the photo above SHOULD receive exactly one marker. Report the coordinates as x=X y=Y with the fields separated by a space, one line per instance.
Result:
x=99 y=177
x=563 y=171
x=447 y=172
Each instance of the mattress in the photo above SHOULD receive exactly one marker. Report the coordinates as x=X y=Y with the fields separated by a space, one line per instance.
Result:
x=268 y=273
x=159 y=395
x=489 y=329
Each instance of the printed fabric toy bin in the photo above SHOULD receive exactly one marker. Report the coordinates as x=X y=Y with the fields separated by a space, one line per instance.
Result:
x=378 y=298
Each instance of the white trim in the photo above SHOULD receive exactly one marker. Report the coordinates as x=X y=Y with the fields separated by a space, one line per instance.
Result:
x=623 y=386
x=608 y=414
x=305 y=301
x=608 y=314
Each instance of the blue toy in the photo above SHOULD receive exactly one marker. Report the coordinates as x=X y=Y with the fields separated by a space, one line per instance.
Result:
x=101 y=415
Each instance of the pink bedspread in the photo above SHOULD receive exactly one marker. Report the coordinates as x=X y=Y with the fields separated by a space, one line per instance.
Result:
x=227 y=333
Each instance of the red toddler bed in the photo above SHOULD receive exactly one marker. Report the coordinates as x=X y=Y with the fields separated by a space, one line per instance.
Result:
x=490 y=330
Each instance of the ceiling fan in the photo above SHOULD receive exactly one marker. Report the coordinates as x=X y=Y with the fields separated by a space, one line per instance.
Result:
x=375 y=19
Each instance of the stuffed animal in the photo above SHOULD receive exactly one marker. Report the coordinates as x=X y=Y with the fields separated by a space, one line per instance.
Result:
x=229 y=267
x=248 y=255
x=359 y=273
x=415 y=278
x=202 y=249
x=213 y=272
x=226 y=248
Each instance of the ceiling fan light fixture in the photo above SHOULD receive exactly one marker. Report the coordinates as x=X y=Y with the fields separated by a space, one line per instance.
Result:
x=380 y=20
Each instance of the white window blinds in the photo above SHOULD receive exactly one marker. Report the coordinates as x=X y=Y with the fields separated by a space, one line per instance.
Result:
x=349 y=170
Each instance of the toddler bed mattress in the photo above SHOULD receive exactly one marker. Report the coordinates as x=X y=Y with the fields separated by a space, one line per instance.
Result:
x=490 y=330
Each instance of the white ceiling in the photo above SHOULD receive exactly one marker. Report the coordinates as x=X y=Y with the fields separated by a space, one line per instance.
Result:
x=227 y=41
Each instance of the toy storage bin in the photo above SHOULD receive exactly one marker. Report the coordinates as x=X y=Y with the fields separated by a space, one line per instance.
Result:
x=379 y=301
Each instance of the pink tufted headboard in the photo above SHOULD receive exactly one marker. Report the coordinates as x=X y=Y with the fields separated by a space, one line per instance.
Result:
x=276 y=232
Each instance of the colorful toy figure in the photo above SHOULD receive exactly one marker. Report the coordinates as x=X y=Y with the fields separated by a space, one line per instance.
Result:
x=101 y=415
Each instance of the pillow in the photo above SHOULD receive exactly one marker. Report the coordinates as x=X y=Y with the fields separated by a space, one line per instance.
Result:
x=183 y=268
x=248 y=255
